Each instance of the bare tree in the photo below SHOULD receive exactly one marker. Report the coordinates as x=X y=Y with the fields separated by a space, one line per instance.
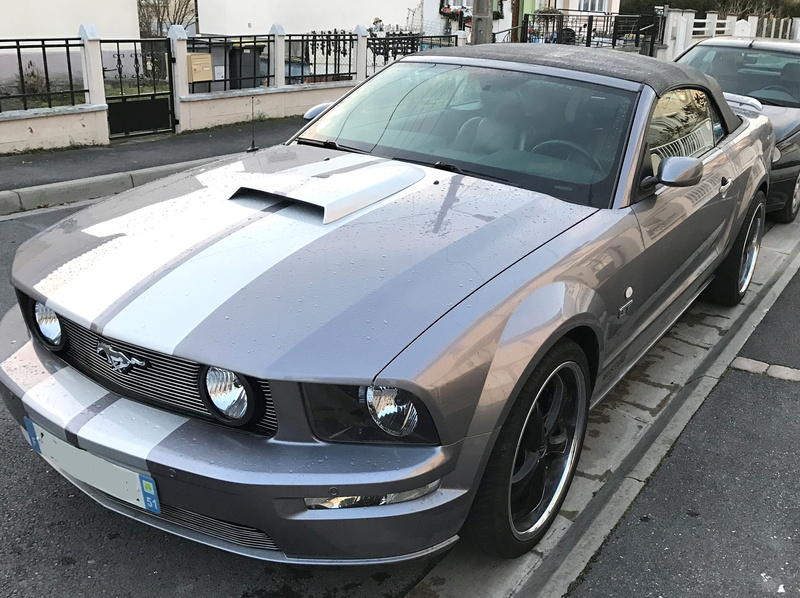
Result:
x=155 y=16
x=746 y=8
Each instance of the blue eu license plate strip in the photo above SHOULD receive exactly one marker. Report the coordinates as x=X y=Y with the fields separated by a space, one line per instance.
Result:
x=149 y=494
x=32 y=436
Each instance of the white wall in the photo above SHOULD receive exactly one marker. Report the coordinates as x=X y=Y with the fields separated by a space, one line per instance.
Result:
x=61 y=18
x=256 y=17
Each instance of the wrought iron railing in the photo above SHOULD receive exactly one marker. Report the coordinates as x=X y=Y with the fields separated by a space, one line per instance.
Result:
x=386 y=49
x=138 y=84
x=136 y=67
x=594 y=30
x=41 y=73
x=320 y=57
x=238 y=62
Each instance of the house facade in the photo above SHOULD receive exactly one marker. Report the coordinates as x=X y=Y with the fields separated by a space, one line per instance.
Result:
x=577 y=5
x=37 y=19
x=252 y=17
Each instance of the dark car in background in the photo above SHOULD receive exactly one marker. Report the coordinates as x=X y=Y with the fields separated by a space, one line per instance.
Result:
x=768 y=71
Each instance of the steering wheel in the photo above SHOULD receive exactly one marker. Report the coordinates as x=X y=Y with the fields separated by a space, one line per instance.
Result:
x=572 y=149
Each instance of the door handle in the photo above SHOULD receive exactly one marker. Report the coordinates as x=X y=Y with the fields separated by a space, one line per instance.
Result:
x=724 y=185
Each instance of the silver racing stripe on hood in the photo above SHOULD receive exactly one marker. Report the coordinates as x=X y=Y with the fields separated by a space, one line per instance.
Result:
x=133 y=246
x=166 y=312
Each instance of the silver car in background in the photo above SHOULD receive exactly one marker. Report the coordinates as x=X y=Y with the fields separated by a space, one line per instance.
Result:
x=388 y=332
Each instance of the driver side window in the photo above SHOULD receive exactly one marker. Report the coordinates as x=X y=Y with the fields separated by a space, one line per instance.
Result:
x=682 y=125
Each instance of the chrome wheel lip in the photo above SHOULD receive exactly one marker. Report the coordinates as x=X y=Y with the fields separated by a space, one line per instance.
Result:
x=751 y=249
x=796 y=195
x=581 y=403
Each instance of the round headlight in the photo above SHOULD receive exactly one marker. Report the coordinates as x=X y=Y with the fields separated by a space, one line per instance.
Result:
x=394 y=413
x=227 y=394
x=48 y=323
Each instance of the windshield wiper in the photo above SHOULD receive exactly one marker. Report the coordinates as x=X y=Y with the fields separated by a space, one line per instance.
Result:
x=328 y=143
x=448 y=167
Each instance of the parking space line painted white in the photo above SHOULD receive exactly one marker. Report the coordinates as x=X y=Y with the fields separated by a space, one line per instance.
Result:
x=749 y=365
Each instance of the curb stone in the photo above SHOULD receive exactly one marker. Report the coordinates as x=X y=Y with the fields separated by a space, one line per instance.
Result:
x=42 y=196
x=9 y=202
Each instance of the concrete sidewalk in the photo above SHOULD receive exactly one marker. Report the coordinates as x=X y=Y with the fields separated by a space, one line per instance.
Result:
x=720 y=516
x=41 y=179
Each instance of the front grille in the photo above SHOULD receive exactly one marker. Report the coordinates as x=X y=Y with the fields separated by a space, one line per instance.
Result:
x=167 y=381
x=241 y=535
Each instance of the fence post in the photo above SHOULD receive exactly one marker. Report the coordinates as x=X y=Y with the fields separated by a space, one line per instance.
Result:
x=461 y=38
x=753 y=22
x=795 y=28
x=361 y=52
x=672 y=33
x=180 y=70
x=690 y=16
x=712 y=16
x=92 y=64
x=277 y=57
x=730 y=24
x=589 y=27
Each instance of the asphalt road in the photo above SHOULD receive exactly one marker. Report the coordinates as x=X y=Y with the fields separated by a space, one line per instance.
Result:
x=720 y=517
x=40 y=168
x=58 y=542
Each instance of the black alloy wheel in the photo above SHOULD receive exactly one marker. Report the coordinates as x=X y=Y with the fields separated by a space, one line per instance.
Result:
x=535 y=456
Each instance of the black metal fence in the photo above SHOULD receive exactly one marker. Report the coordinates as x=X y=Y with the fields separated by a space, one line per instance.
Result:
x=386 y=49
x=320 y=57
x=237 y=62
x=138 y=85
x=41 y=73
x=594 y=30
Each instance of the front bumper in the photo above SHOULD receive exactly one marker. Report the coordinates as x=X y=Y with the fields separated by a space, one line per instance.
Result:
x=234 y=490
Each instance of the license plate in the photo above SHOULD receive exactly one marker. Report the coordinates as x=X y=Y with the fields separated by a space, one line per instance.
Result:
x=124 y=484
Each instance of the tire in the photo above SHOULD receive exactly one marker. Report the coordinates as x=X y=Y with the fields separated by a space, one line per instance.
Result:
x=522 y=490
x=789 y=210
x=734 y=274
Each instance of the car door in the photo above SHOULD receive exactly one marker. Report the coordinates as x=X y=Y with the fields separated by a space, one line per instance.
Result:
x=684 y=229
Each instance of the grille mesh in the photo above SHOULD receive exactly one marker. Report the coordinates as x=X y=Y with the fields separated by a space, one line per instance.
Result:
x=167 y=381
x=241 y=535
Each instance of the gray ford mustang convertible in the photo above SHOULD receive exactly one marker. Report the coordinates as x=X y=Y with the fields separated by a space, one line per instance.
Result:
x=355 y=347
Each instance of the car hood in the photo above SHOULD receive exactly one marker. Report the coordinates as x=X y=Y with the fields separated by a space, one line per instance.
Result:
x=294 y=262
x=785 y=121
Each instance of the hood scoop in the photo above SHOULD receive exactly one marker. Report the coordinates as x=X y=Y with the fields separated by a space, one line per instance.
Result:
x=338 y=191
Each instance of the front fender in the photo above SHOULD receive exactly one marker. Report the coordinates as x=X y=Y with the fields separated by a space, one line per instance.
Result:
x=468 y=369
x=539 y=322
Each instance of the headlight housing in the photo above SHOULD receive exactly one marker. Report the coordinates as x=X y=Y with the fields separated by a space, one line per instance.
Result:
x=368 y=414
x=46 y=325
x=228 y=396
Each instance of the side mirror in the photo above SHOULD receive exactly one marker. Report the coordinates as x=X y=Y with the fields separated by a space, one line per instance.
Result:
x=316 y=110
x=676 y=172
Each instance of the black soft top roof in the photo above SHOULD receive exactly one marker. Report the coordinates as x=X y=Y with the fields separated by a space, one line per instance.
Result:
x=658 y=74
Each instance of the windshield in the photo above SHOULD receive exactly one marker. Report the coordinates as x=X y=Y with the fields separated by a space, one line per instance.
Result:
x=558 y=136
x=769 y=76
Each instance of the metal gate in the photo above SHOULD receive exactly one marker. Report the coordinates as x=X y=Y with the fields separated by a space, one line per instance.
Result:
x=138 y=84
x=642 y=33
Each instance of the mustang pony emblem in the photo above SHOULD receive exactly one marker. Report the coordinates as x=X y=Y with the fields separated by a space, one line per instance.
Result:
x=117 y=359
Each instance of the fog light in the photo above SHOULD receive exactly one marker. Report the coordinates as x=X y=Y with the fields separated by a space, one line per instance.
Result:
x=48 y=323
x=392 y=410
x=227 y=393
x=344 y=502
